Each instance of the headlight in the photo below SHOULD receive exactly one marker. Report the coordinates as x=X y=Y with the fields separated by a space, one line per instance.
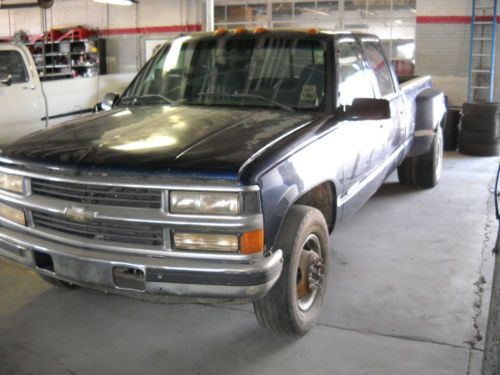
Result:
x=204 y=203
x=11 y=182
x=12 y=214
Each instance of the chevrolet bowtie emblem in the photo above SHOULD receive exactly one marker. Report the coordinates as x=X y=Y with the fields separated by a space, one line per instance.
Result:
x=79 y=214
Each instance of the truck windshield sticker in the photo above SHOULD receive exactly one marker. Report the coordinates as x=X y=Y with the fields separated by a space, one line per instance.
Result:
x=309 y=94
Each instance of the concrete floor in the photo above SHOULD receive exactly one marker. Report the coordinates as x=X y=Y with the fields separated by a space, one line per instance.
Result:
x=408 y=294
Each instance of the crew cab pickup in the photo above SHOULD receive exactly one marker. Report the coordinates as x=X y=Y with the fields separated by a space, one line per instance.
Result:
x=221 y=172
x=44 y=103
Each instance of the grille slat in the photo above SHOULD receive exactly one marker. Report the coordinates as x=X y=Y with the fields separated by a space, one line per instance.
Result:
x=98 y=195
x=151 y=235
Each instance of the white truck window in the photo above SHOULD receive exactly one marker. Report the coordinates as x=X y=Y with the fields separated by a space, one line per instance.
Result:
x=379 y=65
x=354 y=79
x=11 y=62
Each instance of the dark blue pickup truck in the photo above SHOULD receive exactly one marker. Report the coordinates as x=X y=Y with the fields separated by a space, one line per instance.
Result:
x=221 y=172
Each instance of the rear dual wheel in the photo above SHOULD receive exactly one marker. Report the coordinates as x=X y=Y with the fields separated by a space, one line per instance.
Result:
x=424 y=170
x=294 y=304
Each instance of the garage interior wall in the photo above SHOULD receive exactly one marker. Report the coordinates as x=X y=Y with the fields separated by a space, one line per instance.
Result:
x=443 y=42
x=126 y=27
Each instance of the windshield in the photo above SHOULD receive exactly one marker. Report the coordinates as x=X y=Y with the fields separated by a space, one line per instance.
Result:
x=248 y=71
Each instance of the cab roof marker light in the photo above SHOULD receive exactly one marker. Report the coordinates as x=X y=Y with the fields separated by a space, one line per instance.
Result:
x=240 y=30
x=220 y=32
x=260 y=30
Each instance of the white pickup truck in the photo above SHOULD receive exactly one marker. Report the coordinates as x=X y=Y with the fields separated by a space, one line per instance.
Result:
x=28 y=105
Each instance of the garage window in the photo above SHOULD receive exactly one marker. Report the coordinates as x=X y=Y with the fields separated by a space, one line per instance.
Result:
x=12 y=63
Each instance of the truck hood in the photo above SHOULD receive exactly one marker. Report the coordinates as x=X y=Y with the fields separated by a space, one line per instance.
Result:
x=206 y=138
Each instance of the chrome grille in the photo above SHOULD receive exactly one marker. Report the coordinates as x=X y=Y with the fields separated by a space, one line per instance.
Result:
x=98 y=194
x=123 y=232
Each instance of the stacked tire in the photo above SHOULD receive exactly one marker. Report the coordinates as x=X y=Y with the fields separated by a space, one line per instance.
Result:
x=451 y=126
x=479 y=131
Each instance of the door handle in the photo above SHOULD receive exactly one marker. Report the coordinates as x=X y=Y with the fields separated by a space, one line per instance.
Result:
x=28 y=87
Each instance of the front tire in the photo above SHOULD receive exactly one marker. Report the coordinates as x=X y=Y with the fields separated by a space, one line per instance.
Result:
x=294 y=304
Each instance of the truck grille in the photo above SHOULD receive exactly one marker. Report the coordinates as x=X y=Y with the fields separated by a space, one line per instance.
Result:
x=129 y=233
x=97 y=194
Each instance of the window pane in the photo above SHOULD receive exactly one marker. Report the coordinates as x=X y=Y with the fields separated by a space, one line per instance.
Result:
x=236 y=13
x=354 y=80
x=220 y=13
x=380 y=67
x=257 y=13
x=12 y=63
x=282 y=11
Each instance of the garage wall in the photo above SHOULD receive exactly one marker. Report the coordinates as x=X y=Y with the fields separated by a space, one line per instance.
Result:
x=442 y=46
x=126 y=27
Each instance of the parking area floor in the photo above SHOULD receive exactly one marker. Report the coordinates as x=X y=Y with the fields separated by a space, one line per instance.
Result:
x=408 y=294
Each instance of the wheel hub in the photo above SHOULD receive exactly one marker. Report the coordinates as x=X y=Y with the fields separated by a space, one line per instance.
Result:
x=310 y=273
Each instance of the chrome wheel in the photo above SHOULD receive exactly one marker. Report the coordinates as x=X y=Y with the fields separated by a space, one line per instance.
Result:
x=310 y=272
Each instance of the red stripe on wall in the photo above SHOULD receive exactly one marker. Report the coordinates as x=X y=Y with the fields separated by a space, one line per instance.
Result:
x=453 y=19
x=151 y=30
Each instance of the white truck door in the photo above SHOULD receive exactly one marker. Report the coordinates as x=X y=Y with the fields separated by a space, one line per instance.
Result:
x=22 y=103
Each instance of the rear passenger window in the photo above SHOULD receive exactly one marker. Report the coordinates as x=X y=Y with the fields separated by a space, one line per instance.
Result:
x=379 y=65
x=354 y=79
x=12 y=63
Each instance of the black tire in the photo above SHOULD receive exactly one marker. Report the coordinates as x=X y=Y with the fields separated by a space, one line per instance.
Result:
x=478 y=123
x=424 y=170
x=476 y=149
x=450 y=131
x=406 y=171
x=488 y=138
x=292 y=307
x=488 y=110
x=57 y=282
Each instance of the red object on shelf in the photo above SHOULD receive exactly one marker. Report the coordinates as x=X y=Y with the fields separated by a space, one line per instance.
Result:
x=78 y=33
x=52 y=36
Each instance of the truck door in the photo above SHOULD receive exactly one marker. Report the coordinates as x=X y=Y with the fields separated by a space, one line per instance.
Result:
x=362 y=139
x=21 y=103
x=386 y=89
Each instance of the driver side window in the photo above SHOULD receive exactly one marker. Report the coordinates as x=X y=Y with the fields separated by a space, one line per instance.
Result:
x=355 y=81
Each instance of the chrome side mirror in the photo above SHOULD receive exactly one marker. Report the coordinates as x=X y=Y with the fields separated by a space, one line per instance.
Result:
x=5 y=79
x=109 y=101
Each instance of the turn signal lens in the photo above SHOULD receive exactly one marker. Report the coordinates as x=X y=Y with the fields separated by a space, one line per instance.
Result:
x=12 y=214
x=206 y=242
x=252 y=242
x=11 y=182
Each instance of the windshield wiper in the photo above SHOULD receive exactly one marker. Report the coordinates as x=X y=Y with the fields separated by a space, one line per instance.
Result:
x=249 y=96
x=140 y=99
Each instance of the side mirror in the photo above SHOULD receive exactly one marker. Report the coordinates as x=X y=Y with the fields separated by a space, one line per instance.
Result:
x=109 y=101
x=5 y=79
x=368 y=109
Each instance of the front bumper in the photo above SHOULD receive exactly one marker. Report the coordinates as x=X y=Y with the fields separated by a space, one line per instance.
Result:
x=160 y=278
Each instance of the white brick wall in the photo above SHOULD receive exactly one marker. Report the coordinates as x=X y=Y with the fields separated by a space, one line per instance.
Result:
x=95 y=15
x=442 y=49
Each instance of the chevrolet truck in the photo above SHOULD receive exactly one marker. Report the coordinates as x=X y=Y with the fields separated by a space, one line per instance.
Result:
x=221 y=172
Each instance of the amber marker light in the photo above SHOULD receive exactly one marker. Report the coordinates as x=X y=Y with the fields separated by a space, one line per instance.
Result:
x=260 y=30
x=252 y=242
x=220 y=32
x=312 y=31
x=240 y=30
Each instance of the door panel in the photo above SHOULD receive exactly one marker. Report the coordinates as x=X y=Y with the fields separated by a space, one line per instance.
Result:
x=21 y=103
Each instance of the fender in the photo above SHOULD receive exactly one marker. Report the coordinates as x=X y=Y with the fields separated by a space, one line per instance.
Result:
x=430 y=111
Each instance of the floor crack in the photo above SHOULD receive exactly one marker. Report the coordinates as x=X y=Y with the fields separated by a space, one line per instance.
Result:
x=479 y=284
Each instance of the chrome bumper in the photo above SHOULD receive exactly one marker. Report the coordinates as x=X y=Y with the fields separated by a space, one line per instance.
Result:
x=167 y=278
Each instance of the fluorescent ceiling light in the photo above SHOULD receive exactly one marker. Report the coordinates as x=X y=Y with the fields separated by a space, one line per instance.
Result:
x=117 y=2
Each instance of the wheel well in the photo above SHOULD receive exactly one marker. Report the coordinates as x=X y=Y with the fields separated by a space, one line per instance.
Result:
x=324 y=198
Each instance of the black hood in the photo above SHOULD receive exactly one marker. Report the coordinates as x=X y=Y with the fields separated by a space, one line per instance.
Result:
x=196 y=138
